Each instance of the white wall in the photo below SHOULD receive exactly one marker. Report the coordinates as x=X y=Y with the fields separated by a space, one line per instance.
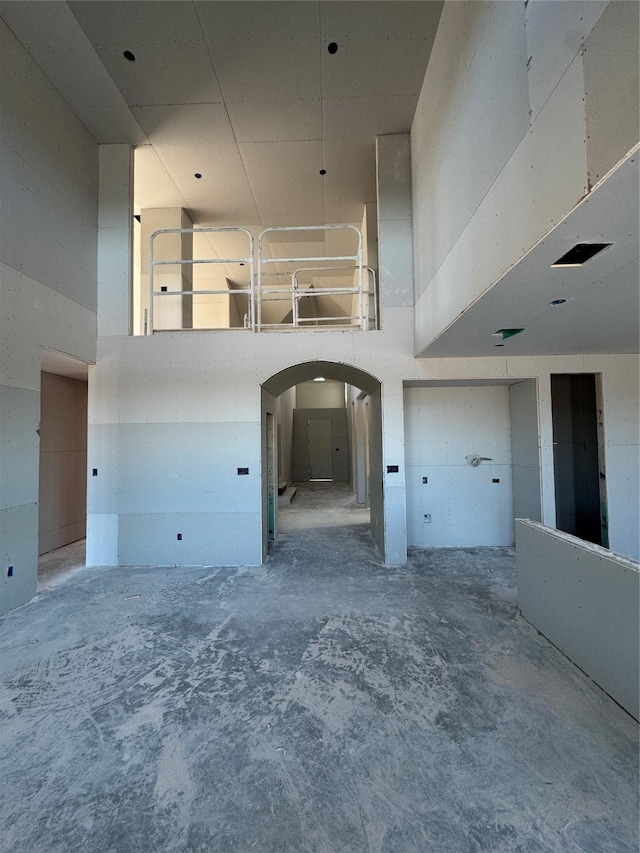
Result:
x=48 y=237
x=320 y=395
x=286 y=405
x=513 y=127
x=525 y=454
x=443 y=427
x=585 y=600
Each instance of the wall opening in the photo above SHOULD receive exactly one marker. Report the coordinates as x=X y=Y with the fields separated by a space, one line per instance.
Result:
x=578 y=457
x=328 y=446
x=62 y=489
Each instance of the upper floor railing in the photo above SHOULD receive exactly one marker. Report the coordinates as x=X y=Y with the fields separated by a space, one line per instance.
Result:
x=267 y=290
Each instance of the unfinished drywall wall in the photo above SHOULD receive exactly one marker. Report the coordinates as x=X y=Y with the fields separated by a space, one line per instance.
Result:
x=586 y=601
x=48 y=244
x=452 y=502
x=286 y=405
x=63 y=462
x=320 y=395
x=612 y=83
x=525 y=456
x=505 y=86
x=305 y=465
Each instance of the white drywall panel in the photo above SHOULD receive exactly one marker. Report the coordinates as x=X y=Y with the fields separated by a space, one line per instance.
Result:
x=612 y=82
x=286 y=405
x=516 y=212
x=208 y=539
x=444 y=426
x=586 y=601
x=48 y=213
x=621 y=403
x=377 y=496
x=525 y=454
x=174 y=31
x=556 y=33
x=174 y=467
x=18 y=548
x=32 y=209
x=395 y=250
x=102 y=539
x=19 y=415
x=115 y=243
x=471 y=116
x=320 y=395
x=33 y=113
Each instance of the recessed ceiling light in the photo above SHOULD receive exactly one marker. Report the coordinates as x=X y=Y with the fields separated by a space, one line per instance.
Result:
x=319 y=379
x=557 y=302
x=323 y=171
x=128 y=55
x=332 y=47
x=197 y=175
x=580 y=254
x=506 y=333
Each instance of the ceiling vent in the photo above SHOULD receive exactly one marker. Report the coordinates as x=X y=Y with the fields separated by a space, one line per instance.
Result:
x=580 y=254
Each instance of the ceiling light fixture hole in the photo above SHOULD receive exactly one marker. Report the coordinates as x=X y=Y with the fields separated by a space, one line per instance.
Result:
x=332 y=47
x=130 y=56
x=197 y=175
x=323 y=171
x=557 y=302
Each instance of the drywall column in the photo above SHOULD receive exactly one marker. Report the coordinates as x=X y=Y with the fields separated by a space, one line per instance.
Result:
x=115 y=240
x=525 y=452
x=395 y=281
x=545 y=432
x=169 y=312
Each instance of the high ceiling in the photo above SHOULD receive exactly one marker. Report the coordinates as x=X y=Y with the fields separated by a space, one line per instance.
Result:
x=248 y=95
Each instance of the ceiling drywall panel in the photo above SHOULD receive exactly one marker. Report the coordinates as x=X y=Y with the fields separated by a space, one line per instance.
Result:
x=206 y=124
x=159 y=189
x=396 y=36
x=263 y=50
x=285 y=180
x=260 y=120
x=223 y=195
x=60 y=47
x=366 y=117
x=172 y=63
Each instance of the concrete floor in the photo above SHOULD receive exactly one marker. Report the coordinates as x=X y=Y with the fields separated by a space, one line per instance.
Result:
x=58 y=566
x=322 y=703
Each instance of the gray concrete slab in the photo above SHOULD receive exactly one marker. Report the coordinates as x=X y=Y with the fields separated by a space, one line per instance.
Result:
x=322 y=703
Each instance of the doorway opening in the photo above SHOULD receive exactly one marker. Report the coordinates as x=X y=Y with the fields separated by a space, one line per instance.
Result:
x=578 y=456
x=62 y=489
x=322 y=451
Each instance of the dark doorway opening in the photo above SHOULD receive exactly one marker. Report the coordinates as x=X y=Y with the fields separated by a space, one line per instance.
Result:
x=578 y=458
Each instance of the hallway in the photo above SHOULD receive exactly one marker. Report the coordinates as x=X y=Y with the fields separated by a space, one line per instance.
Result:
x=321 y=703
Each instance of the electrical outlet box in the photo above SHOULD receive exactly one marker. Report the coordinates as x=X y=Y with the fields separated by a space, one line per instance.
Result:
x=427 y=518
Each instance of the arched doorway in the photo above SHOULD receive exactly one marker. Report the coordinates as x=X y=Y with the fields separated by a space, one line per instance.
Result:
x=370 y=388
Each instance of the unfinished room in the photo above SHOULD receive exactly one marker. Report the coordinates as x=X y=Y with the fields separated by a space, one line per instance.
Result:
x=319 y=426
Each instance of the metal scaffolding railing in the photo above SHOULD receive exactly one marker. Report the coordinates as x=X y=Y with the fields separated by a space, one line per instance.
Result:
x=164 y=292
x=349 y=301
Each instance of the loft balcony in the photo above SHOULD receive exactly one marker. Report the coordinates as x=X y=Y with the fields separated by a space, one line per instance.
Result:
x=283 y=279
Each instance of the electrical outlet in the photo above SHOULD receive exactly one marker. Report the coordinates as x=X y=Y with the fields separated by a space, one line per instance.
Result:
x=427 y=518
